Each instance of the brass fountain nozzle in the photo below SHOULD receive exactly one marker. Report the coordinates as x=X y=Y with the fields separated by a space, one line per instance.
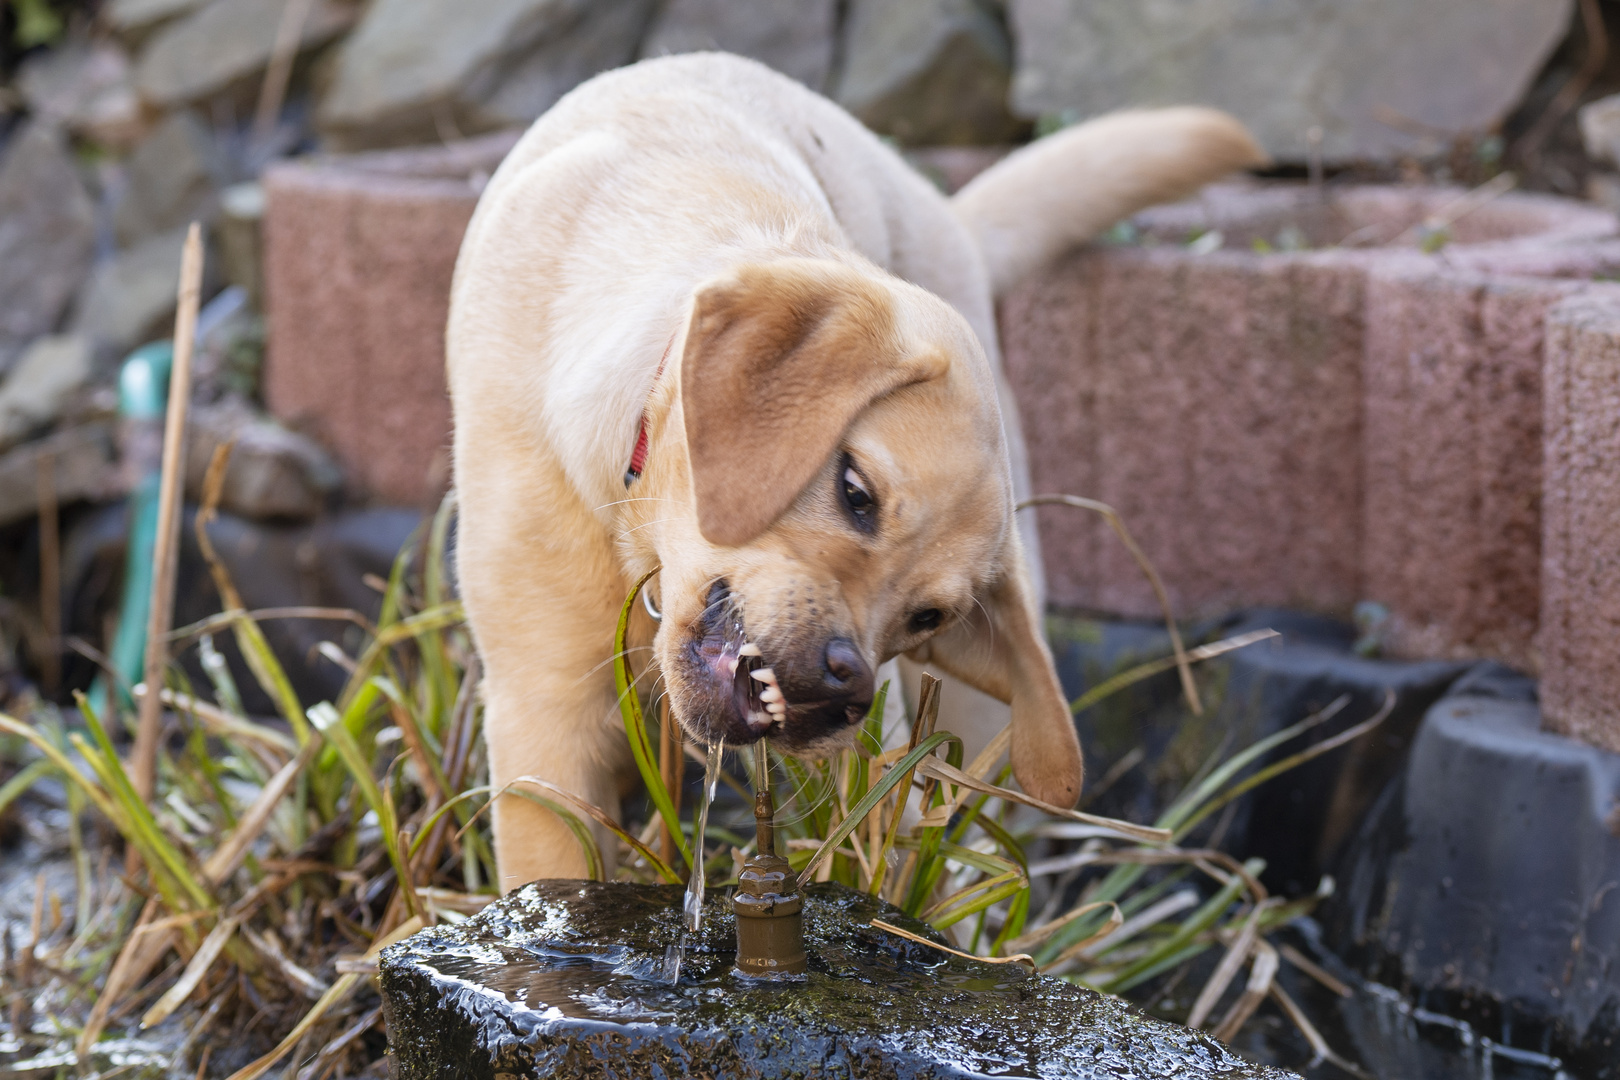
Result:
x=770 y=911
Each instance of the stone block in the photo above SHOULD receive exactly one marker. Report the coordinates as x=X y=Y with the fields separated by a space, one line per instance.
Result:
x=566 y=978
x=423 y=71
x=47 y=229
x=359 y=254
x=1212 y=402
x=1452 y=466
x=928 y=72
x=1482 y=884
x=1297 y=822
x=1213 y=393
x=223 y=46
x=1580 y=579
x=796 y=37
x=1363 y=73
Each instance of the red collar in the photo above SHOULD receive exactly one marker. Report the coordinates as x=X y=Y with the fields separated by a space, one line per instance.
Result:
x=638 y=456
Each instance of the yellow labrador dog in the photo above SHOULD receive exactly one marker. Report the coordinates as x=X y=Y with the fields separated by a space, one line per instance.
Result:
x=704 y=321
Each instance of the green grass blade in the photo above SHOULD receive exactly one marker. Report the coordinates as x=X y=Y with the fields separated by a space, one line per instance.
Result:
x=857 y=814
x=267 y=670
x=1200 y=920
x=329 y=722
x=635 y=725
x=11 y=789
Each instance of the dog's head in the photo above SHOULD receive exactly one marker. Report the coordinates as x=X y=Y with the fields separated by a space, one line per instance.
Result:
x=849 y=500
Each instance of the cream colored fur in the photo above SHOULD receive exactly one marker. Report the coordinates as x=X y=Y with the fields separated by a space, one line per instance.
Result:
x=656 y=213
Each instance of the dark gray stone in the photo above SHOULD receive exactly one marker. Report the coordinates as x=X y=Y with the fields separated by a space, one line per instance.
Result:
x=1300 y=819
x=130 y=297
x=173 y=178
x=84 y=464
x=47 y=228
x=224 y=47
x=273 y=474
x=35 y=392
x=86 y=87
x=795 y=37
x=1486 y=884
x=426 y=71
x=1362 y=72
x=568 y=978
x=929 y=72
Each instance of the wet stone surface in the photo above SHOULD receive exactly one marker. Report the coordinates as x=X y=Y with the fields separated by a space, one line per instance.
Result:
x=569 y=978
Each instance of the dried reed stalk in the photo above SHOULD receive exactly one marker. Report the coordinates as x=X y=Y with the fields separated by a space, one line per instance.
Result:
x=165 y=557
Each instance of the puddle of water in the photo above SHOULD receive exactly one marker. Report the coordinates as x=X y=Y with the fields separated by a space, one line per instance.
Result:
x=1391 y=1037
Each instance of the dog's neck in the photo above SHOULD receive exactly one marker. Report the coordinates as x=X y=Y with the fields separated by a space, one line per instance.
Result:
x=638 y=455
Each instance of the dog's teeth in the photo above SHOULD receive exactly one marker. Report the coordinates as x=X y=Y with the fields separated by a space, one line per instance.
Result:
x=764 y=675
x=750 y=649
x=776 y=708
x=770 y=694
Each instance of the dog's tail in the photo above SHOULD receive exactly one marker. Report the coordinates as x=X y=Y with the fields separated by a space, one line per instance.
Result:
x=1062 y=190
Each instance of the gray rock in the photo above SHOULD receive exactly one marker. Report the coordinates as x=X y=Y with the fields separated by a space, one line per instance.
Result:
x=86 y=87
x=1600 y=129
x=224 y=45
x=603 y=38
x=130 y=296
x=796 y=37
x=1363 y=72
x=134 y=18
x=84 y=465
x=422 y=70
x=174 y=178
x=47 y=233
x=36 y=389
x=273 y=473
x=928 y=72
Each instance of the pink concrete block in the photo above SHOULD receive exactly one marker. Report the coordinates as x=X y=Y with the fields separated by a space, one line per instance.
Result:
x=1452 y=463
x=359 y=253
x=1580 y=594
x=1212 y=402
x=1217 y=399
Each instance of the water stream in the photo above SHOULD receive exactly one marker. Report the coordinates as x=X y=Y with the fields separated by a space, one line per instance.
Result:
x=694 y=884
x=692 y=905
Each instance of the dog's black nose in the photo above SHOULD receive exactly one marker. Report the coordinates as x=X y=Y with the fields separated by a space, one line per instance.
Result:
x=846 y=671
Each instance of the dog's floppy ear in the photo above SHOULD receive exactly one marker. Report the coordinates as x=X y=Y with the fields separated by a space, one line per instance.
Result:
x=999 y=648
x=780 y=358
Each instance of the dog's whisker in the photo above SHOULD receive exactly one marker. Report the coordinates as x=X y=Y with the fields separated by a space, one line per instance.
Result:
x=628 y=650
x=643 y=525
x=635 y=499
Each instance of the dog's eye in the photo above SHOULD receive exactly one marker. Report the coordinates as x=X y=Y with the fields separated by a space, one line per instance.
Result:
x=855 y=495
x=924 y=621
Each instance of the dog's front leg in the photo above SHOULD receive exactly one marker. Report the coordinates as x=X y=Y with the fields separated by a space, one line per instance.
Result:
x=543 y=593
x=555 y=727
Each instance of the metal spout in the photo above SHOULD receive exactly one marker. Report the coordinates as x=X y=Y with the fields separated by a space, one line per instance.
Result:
x=770 y=912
